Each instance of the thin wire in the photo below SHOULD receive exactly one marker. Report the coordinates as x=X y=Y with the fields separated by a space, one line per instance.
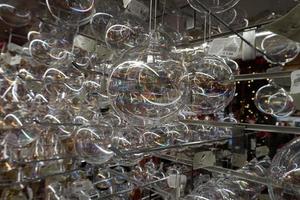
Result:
x=205 y=23
x=155 y=14
x=163 y=12
x=209 y=26
x=150 y=16
x=10 y=37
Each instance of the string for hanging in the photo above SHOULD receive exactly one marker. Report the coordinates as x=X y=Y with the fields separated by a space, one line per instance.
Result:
x=150 y=16
x=163 y=12
x=155 y=14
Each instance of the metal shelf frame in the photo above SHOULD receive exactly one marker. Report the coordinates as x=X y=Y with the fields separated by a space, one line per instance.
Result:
x=247 y=126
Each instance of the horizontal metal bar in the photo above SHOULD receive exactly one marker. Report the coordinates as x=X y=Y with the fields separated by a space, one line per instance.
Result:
x=180 y=146
x=129 y=190
x=221 y=170
x=26 y=181
x=150 y=187
x=288 y=188
x=176 y=160
x=262 y=76
x=43 y=160
x=247 y=127
x=177 y=146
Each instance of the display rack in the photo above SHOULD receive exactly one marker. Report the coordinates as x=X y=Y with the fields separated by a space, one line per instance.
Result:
x=243 y=127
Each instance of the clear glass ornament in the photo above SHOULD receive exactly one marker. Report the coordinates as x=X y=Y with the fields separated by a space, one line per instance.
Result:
x=214 y=6
x=280 y=50
x=93 y=143
x=211 y=83
x=71 y=12
x=146 y=85
x=127 y=139
x=13 y=16
x=274 y=100
x=285 y=170
x=124 y=32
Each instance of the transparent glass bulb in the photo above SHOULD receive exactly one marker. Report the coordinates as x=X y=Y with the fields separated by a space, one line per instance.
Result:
x=213 y=6
x=157 y=137
x=288 y=110
x=271 y=99
x=211 y=83
x=179 y=132
x=72 y=12
x=98 y=24
x=285 y=170
x=127 y=139
x=240 y=21
x=14 y=194
x=48 y=51
x=14 y=17
x=92 y=93
x=280 y=50
x=146 y=85
x=226 y=132
x=22 y=137
x=233 y=66
x=124 y=32
x=93 y=143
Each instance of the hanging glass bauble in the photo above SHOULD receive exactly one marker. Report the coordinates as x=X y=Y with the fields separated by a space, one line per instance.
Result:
x=211 y=83
x=146 y=86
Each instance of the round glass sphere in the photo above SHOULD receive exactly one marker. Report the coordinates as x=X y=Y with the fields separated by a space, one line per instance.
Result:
x=288 y=109
x=146 y=86
x=178 y=132
x=271 y=99
x=285 y=170
x=214 y=6
x=70 y=11
x=240 y=21
x=100 y=20
x=124 y=32
x=127 y=139
x=111 y=118
x=92 y=93
x=233 y=66
x=156 y=137
x=48 y=51
x=92 y=143
x=14 y=17
x=211 y=83
x=226 y=132
x=98 y=25
x=204 y=192
x=19 y=138
x=280 y=50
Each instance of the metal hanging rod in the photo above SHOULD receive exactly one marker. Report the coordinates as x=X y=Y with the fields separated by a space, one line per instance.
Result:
x=288 y=188
x=241 y=77
x=177 y=146
x=43 y=160
x=247 y=127
x=180 y=146
x=176 y=160
x=26 y=181
x=262 y=76
x=146 y=185
x=150 y=187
